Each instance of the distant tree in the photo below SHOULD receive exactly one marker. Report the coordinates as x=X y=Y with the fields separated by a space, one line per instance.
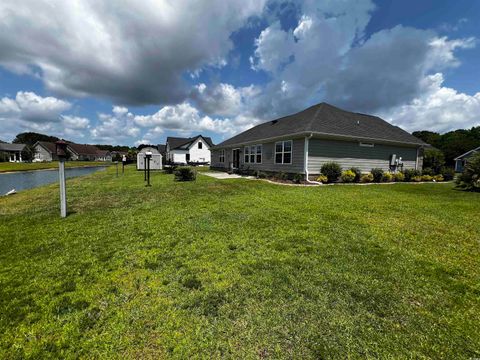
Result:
x=30 y=138
x=429 y=137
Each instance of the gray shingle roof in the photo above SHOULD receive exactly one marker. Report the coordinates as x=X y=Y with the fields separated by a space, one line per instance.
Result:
x=177 y=142
x=50 y=146
x=328 y=120
x=12 y=147
x=468 y=153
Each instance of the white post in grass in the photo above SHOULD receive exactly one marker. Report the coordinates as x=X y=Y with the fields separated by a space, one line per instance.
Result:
x=62 y=154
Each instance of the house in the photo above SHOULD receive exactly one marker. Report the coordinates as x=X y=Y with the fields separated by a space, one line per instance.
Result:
x=194 y=150
x=461 y=160
x=155 y=161
x=82 y=152
x=103 y=155
x=301 y=143
x=44 y=151
x=13 y=152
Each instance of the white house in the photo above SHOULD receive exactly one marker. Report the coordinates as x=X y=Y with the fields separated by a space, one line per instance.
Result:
x=155 y=161
x=194 y=150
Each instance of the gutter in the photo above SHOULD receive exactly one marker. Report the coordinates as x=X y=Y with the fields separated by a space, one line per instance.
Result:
x=305 y=161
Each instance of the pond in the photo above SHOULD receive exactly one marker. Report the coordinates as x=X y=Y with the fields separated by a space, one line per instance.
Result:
x=22 y=180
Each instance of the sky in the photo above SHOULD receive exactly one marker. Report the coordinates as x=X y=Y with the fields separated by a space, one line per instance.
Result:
x=132 y=72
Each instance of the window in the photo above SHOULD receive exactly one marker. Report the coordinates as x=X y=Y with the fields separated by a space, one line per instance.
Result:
x=283 y=152
x=367 y=144
x=187 y=157
x=247 y=154
x=253 y=154
x=200 y=144
x=222 y=156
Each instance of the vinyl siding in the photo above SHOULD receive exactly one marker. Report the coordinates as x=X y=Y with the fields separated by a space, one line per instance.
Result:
x=268 y=158
x=351 y=154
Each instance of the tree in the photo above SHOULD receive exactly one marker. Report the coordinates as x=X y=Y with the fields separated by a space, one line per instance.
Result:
x=470 y=178
x=434 y=159
x=30 y=138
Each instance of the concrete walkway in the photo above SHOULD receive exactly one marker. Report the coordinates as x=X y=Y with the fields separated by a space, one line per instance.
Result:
x=221 y=175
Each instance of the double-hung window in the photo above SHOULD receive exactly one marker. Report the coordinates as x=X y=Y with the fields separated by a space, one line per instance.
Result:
x=283 y=152
x=221 y=157
x=253 y=154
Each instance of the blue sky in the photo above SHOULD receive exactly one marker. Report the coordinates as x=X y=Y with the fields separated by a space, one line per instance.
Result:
x=136 y=73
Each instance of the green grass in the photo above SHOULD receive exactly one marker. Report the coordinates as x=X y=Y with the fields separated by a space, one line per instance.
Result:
x=7 y=166
x=239 y=269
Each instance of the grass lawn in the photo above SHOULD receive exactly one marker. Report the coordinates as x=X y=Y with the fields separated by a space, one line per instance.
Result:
x=8 y=166
x=239 y=269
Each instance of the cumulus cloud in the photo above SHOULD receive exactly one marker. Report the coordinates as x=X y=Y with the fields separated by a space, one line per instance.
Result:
x=116 y=127
x=133 y=53
x=438 y=108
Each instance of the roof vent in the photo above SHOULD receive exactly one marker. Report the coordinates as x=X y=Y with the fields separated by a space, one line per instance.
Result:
x=358 y=122
x=274 y=122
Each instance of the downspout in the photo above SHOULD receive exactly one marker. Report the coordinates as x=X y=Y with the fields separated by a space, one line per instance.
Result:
x=305 y=163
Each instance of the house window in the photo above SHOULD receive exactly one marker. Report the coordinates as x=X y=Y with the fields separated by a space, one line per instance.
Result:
x=367 y=144
x=222 y=156
x=253 y=154
x=200 y=144
x=283 y=152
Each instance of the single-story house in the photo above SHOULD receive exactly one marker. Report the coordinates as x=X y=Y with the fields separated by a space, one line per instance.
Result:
x=461 y=160
x=194 y=150
x=44 y=151
x=301 y=143
x=82 y=152
x=103 y=155
x=13 y=152
x=155 y=161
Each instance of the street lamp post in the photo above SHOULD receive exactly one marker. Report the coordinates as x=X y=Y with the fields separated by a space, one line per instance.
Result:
x=148 y=156
x=61 y=147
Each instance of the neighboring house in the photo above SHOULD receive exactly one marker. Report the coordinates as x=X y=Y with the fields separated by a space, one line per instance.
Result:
x=82 y=152
x=44 y=151
x=103 y=155
x=301 y=143
x=188 y=150
x=155 y=161
x=13 y=152
x=461 y=160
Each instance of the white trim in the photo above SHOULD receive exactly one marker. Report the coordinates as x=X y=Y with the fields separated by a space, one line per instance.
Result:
x=467 y=153
x=370 y=145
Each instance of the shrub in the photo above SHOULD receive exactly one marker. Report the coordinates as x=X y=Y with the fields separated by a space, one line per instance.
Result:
x=410 y=174
x=428 y=171
x=185 y=173
x=261 y=175
x=322 y=178
x=281 y=176
x=298 y=178
x=348 y=176
x=387 y=177
x=358 y=173
x=399 y=177
x=377 y=174
x=417 y=178
x=426 y=178
x=367 y=178
x=470 y=178
x=447 y=173
x=332 y=171
x=438 y=177
x=170 y=169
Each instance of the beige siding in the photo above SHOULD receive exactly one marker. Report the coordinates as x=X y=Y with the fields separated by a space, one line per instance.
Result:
x=351 y=154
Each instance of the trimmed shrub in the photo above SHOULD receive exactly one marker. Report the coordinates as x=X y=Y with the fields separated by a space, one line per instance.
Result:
x=417 y=178
x=387 y=177
x=410 y=174
x=438 y=178
x=377 y=174
x=332 y=171
x=170 y=169
x=428 y=171
x=447 y=173
x=322 y=178
x=261 y=175
x=357 y=172
x=281 y=176
x=367 y=178
x=399 y=177
x=470 y=178
x=298 y=178
x=426 y=178
x=185 y=173
x=348 y=176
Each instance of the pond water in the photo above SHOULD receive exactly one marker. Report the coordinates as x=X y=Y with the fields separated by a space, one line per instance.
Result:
x=22 y=180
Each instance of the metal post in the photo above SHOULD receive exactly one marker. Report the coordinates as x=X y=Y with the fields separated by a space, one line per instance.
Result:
x=116 y=163
x=63 y=189
x=148 y=171
x=145 y=168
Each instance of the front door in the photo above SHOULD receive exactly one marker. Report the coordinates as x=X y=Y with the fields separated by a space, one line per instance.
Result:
x=236 y=158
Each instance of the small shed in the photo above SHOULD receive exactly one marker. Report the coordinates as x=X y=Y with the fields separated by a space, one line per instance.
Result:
x=155 y=161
